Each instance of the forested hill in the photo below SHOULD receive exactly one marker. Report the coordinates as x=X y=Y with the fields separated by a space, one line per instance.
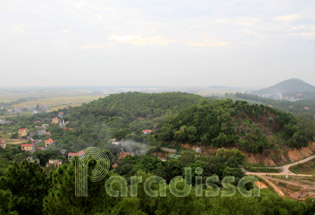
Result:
x=291 y=85
x=174 y=117
x=134 y=104
x=254 y=128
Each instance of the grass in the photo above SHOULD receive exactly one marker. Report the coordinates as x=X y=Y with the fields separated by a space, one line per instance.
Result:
x=305 y=168
x=5 y=136
x=262 y=169
x=15 y=142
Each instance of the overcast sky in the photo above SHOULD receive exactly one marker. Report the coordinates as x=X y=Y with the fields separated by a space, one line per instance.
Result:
x=249 y=43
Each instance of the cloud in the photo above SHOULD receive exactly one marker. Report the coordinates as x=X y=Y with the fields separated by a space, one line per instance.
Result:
x=298 y=27
x=91 y=46
x=209 y=42
x=287 y=17
x=20 y=29
x=141 y=40
x=60 y=43
x=245 y=21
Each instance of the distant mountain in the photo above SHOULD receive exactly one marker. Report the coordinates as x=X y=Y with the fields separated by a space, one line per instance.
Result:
x=293 y=85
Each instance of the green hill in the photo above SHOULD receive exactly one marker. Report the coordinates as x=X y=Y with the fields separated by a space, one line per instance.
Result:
x=254 y=128
x=288 y=86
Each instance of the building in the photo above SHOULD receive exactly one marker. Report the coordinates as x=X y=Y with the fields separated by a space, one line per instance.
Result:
x=62 y=124
x=146 y=131
x=28 y=147
x=198 y=150
x=32 y=160
x=3 y=144
x=36 y=122
x=73 y=154
x=60 y=114
x=124 y=154
x=45 y=126
x=54 y=120
x=54 y=162
x=49 y=142
x=23 y=132
x=41 y=132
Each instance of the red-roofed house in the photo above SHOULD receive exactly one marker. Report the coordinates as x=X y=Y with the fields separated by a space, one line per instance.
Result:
x=306 y=108
x=54 y=120
x=146 y=131
x=36 y=122
x=28 y=147
x=124 y=154
x=60 y=114
x=73 y=154
x=47 y=133
x=23 y=132
x=49 y=142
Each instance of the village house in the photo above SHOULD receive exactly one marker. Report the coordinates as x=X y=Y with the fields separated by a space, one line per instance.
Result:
x=32 y=160
x=122 y=155
x=62 y=124
x=54 y=162
x=45 y=126
x=146 y=131
x=60 y=114
x=49 y=142
x=28 y=147
x=54 y=120
x=3 y=144
x=23 y=132
x=35 y=122
x=41 y=132
x=47 y=133
x=73 y=154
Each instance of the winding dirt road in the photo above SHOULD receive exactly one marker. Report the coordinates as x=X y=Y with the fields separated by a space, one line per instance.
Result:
x=285 y=171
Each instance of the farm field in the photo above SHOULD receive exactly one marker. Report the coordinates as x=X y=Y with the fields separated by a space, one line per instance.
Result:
x=55 y=103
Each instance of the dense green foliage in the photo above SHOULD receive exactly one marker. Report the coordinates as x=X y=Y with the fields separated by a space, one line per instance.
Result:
x=27 y=189
x=227 y=123
x=223 y=163
x=27 y=185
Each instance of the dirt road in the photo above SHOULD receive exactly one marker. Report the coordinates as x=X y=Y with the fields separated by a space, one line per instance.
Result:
x=285 y=170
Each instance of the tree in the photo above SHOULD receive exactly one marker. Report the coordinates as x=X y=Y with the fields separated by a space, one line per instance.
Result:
x=28 y=184
x=6 y=199
x=61 y=198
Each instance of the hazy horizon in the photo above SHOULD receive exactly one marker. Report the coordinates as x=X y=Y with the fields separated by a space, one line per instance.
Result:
x=80 y=43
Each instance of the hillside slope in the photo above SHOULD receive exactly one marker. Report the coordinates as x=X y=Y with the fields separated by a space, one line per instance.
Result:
x=253 y=128
x=287 y=86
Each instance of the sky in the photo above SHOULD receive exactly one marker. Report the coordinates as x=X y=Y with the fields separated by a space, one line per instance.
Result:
x=238 y=43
